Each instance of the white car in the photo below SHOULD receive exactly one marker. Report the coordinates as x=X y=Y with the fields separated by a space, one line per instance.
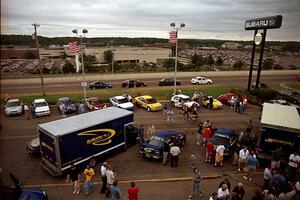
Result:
x=14 y=107
x=121 y=102
x=201 y=80
x=41 y=107
x=180 y=99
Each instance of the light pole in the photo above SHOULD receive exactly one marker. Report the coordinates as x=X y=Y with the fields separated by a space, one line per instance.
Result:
x=35 y=25
x=182 y=25
x=83 y=84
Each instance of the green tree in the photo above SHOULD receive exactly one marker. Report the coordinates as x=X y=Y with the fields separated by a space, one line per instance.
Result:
x=168 y=64
x=68 y=67
x=45 y=70
x=108 y=55
x=238 y=65
x=210 y=60
x=268 y=64
x=219 y=61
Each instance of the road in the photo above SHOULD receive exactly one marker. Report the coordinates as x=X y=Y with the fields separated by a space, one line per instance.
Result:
x=150 y=175
x=73 y=83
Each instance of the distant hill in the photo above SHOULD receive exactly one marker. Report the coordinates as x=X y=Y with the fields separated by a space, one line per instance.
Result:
x=26 y=40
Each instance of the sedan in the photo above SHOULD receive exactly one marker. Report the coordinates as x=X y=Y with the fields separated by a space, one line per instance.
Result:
x=93 y=103
x=68 y=105
x=201 y=80
x=148 y=102
x=41 y=107
x=121 y=102
x=167 y=81
x=226 y=137
x=99 y=84
x=179 y=99
x=14 y=107
x=133 y=83
x=216 y=103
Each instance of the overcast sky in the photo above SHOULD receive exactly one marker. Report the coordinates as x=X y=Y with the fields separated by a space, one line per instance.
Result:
x=204 y=19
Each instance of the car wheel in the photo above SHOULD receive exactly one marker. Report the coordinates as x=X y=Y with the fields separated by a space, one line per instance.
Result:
x=149 y=109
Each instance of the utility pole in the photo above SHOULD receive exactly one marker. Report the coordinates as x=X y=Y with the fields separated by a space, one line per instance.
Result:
x=35 y=25
x=112 y=57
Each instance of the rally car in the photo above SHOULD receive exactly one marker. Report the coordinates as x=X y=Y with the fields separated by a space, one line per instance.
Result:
x=148 y=103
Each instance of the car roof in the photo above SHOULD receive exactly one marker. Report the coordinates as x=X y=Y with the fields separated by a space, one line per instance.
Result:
x=146 y=97
x=13 y=100
x=225 y=132
x=39 y=100
x=93 y=98
x=182 y=96
x=63 y=98
x=119 y=97
x=167 y=134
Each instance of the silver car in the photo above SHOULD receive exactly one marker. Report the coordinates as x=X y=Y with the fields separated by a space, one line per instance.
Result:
x=14 y=107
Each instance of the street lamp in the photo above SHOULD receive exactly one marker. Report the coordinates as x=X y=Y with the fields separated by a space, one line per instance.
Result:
x=83 y=84
x=173 y=25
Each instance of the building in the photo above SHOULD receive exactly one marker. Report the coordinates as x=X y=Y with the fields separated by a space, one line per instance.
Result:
x=231 y=45
x=11 y=52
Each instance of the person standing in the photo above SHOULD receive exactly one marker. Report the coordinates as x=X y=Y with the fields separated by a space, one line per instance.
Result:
x=170 y=116
x=76 y=109
x=81 y=107
x=174 y=152
x=110 y=179
x=207 y=133
x=238 y=192
x=141 y=134
x=243 y=155
x=214 y=196
x=294 y=161
x=26 y=109
x=116 y=192
x=227 y=182
x=75 y=177
x=251 y=165
x=211 y=103
x=219 y=155
x=223 y=192
x=166 y=151
x=209 y=151
x=88 y=185
x=103 y=170
x=197 y=178
x=165 y=109
x=133 y=192
x=249 y=126
x=199 y=133
x=192 y=161
x=276 y=157
x=185 y=113
x=268 y=173
x=151 y=130
x=33 y=112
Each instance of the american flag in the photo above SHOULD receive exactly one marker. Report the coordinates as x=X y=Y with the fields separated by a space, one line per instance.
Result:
x=73 y=47
x=173 y=37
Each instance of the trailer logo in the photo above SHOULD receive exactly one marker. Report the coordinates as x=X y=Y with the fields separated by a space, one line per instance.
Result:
x=103 y=136
x=277 y=141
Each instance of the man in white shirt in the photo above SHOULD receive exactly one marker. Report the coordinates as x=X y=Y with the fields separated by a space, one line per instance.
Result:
x=103 y=170
x=110 y=179
x=223 y=192
x=174 y=152
x=219 y=155
x=243 y=155
x=294 y=161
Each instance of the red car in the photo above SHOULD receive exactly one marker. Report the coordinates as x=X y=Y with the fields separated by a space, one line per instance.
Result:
x=225 y=98
x=93 y=103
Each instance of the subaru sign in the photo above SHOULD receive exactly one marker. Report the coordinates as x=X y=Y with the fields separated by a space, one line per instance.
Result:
x=264 y=23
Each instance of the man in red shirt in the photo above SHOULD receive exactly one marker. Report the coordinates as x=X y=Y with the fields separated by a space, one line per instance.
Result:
x=209 y=151
x=133 y=192
x=207 y=133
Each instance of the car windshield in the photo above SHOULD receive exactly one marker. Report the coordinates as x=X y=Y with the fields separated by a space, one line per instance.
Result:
x=40 y=104
x=13 y=104
x=217 y=139
x=95 y=101
x=122 y=101
x=66 y=101
x=150 y=101
x=156 y=142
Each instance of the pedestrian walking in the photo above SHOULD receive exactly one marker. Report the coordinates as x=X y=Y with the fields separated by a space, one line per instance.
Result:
x=196 y=190
x=88 y=184
x=174 y=153
x=192 y=161
x=243 y=155
x=26 y=109
x=251 y=165
x=166 y=151
x=170 y=116
x=219 y=155
x=238 y=192
x=133 y=192
x=165 y=109
x=74 y=176
x=116 y=192
x=110 y=179
x=199 y=133
x=223 y=192
x=103 y=170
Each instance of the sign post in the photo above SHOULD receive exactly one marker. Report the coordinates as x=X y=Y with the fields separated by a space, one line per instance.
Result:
x=259 y=39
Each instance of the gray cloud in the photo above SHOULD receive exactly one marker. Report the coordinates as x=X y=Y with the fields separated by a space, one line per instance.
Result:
x=217 y=19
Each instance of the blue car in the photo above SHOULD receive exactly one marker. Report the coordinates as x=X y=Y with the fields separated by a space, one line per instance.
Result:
x=69 y=106
x=154 y=147
x=226 y=137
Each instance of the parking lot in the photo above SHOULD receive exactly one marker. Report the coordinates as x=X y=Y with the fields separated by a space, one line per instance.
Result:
x=150 y=175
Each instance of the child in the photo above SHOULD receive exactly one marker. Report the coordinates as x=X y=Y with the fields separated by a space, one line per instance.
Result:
x=192 y=161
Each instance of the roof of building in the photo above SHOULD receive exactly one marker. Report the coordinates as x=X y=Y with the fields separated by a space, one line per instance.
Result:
x=281 y=116
x=82 y=121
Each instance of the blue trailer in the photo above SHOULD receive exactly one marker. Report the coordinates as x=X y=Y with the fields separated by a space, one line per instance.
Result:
x=86 y=138
x=280 y=127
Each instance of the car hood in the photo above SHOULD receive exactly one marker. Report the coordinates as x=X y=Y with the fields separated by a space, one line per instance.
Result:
x=14 y=108
x=147 y=145
x=98 y=105
x=126 y=105
x=42 y=109
x=155 y=104
x=69 y=105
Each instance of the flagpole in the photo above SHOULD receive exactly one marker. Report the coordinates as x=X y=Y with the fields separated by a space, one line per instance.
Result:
x=175 y=75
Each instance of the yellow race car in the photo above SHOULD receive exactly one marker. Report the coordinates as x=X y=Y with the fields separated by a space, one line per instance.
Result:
x=216 y=103
x=148 y=102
